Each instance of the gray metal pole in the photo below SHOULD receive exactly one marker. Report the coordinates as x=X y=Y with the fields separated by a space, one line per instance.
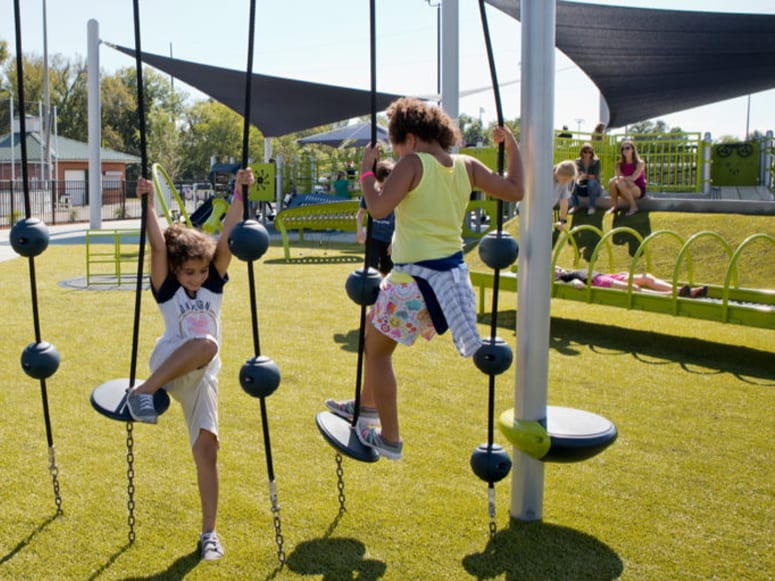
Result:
x=47 y=99
x=450 y=59
x=93 y=93
x=535 y=240
x=13 y=157
x=707 y=152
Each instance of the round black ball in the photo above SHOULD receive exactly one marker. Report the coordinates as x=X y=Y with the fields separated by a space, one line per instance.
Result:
x=29 y=237
x=493 y=357
x=248 y=240
x=40 y=360
x=362 y=286
x=490 y=463
x=259 y=376
x=498 y=250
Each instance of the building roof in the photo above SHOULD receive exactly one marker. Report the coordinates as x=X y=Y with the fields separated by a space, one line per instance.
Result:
x=62 y=149
x=648 y=62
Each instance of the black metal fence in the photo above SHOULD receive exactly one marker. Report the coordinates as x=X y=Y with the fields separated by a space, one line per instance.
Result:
x=65 y=201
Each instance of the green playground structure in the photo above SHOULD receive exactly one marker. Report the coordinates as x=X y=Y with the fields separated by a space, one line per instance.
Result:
x=727 y=302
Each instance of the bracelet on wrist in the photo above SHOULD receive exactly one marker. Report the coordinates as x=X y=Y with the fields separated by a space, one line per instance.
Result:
x=365 y=175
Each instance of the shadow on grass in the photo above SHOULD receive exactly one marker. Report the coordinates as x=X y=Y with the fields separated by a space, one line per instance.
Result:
x=28 y=539
x=177 y=569
x=349 y=340
x=696 y=356
x=335 y=559
x=543 y=551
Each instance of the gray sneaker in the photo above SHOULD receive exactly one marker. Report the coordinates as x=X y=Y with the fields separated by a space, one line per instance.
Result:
x=346 y=409
x=372 y=437
x=211 y=547
x=141 y=407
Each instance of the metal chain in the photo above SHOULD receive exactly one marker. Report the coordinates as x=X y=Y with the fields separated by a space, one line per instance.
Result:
x=54 y=470
x=340 y=483
x=491 y=508
x=130 y=475
x=278 y=533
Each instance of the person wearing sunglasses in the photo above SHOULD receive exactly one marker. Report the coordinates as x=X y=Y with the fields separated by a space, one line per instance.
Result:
x=630 y=179
x=587 y=180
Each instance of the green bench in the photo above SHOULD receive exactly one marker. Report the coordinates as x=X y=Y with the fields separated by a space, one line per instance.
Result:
x=341 y=216
x=326 y=216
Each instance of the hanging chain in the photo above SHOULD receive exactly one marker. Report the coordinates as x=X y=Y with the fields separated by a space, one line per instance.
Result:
x=491 y=508
x=54 y=470
x=278 y=533
x=130 y=475
x=340 y=483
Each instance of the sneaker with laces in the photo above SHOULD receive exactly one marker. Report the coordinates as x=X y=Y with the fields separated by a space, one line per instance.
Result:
x=211 y=547
x=346 y=409
x=372 y=437
x=591 y=210
x=141 y=407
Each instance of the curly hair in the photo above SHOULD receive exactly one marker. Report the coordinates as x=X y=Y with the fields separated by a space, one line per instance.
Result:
x=427 y=122
x=184 y=244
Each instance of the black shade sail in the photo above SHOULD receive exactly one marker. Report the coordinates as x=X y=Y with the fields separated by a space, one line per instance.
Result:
x=279 y=106
x=648 y=63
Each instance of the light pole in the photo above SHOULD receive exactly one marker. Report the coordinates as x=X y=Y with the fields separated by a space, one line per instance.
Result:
x=578 y=123
x=437 y=6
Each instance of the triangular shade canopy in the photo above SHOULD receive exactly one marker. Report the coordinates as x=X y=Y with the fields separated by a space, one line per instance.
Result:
x=648 y=63
x=278 y=106
x=355 y=135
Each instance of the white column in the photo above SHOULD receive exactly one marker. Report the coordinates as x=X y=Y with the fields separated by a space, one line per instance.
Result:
x=605 y=112
x=767 y=163
x=535 y=241
x=95 y=132
x=450 y=58
x=707 y=152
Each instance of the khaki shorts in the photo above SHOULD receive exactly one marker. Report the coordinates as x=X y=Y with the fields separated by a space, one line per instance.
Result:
x=197 y=391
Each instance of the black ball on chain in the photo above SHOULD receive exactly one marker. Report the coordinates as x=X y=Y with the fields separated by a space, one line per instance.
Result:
x=259 y=376
x=493 y=357
x=40 y=360
x=29 y=237
x=248 y=240
x=362 y=286
x=498 y=250
x=490 y=463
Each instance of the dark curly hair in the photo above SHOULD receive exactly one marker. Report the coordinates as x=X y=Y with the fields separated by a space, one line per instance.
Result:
x=185 y=244
x=427 y=122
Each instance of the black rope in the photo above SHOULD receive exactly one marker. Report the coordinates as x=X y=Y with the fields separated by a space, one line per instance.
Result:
x=144 y=210
x=252 y=286
x=499 y=222
x=31 y=259
x=366 y=257
x=496 y=274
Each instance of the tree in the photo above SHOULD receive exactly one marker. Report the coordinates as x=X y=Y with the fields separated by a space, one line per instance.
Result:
x=212 y=130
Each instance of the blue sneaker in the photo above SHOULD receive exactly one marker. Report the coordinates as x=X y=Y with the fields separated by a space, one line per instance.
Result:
x=346 y=409
x=371 y=436
x=141 y=407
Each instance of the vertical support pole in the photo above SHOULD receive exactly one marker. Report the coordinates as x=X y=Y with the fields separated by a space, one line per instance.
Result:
x=94 y=113
x=450 y=59
x=767 y=165
x=535 y=226
x=707 y=151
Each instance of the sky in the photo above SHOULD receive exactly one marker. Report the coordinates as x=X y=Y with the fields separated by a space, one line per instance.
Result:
x=328 y=42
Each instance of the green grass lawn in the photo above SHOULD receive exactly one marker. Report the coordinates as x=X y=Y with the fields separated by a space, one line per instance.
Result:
x=686 y=492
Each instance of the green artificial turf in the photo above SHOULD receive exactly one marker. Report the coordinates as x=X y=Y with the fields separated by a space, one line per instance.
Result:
x=686 y=492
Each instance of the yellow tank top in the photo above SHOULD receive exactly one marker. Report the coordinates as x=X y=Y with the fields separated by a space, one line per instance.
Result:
x=429 y=219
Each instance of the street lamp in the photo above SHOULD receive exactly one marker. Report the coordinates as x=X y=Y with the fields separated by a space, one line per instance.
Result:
x=579 y=122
